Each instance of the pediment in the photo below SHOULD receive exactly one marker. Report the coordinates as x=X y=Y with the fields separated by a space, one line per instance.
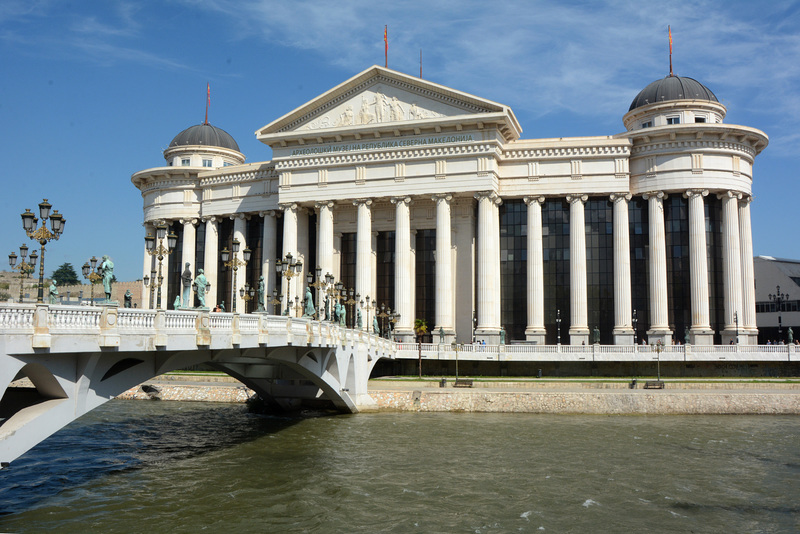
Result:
x=378 y=97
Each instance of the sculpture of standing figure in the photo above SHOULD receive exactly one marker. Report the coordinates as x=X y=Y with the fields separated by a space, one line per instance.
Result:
x=686 y=338
x=342 y=315
x=375 y=328
x=790 y=335
x=359 y=319
x=107 y=272
x=201 y=283
x=176 y=305
x=502 y=336
x=186 y=278
x=596 y=335
x=128 y=299
x=53 y=292
x=261 y=294
x=441 y=334
x=310 y=311
x=327 y=308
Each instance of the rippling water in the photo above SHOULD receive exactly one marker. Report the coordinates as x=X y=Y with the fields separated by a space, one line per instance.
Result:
x=135 y=466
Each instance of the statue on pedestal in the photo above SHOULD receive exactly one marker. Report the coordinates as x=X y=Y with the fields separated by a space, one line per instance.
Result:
x=106 y=270
x=310 y=311
x=186 y=278
x=176 y=305
x=359 y=319
x=53 y=293
x=201 y=283
x=261 y=294
x=375 y=328
x=128 y=299
x=502 y=336
x=596 y=335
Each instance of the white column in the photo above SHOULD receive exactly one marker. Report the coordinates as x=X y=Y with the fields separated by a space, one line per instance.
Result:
x=147 y=270
x=364 y=248
x=623 y=308
x=324 y=246
x=731 y=263
x=579 y=325
x=210 y=259
x=289 y=247
x=488 y=328
x=444 y=268
x=187 y=255
x=701 y=333
x=535 y=331
x=403 y=287
x=659 y=312
x=239 y=222
x=747 y=320
x=269 y=246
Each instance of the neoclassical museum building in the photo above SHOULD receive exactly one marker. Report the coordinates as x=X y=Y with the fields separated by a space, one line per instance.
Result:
x=428 y=201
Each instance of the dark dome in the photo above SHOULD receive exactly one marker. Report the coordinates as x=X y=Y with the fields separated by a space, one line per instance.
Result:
x=672 y=88
x=205 y=134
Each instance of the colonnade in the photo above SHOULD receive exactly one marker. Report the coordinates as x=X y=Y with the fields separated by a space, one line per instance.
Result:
x=739 y=286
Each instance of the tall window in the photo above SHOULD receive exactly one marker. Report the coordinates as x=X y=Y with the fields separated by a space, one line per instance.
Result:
x=254 y=234
x=174 y=266
x=426 y=280
x=600 y=267
x=385 y=270
x=513 y=268
x=555 y=250
x=224 y=274
x=679 y=290
x=348 y=267
x=638 y=220
x=716 y=291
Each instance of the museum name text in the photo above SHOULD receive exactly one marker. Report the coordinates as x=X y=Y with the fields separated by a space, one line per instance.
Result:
x=378 y=145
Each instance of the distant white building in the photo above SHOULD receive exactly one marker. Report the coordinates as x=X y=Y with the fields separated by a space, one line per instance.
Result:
x=427 y=200
x=777 y=298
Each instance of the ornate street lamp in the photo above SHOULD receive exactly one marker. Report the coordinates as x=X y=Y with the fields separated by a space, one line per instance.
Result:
x=247 y=293
x=635 y=321
x=736 y=322
x=369 y=307
x=340 y=292
x=89 y=272
x=779 y=299
x=320 y=285
x=159 y=252
x=235 y=263
x=383 y=315
x=25 y=269
x=42 y=234
x=276 y=300
x=289 y=267
x=658 y=346
x=351 y=301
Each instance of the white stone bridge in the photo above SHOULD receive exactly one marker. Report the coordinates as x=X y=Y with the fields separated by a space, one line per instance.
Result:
x=79 y=357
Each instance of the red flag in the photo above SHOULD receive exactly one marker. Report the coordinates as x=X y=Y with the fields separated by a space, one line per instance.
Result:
x=386 y=45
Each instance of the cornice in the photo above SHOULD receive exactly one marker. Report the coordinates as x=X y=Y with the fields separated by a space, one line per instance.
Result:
x=694 y=144
x=565 y=152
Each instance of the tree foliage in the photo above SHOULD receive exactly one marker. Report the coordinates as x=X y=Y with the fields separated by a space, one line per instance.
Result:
x=420 y=327
x=65 y=275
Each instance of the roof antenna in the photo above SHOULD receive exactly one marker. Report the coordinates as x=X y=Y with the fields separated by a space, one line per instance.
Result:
x=669 y=29
x=208 y=101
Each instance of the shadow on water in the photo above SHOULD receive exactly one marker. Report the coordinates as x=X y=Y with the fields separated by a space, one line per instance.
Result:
x=122 y=436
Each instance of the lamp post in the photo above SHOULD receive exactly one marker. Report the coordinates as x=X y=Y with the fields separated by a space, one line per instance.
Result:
x=778 y=298
x=635 y=322
x=320 y=285
x=289 y=267
x=352 y=301
x=25 y=269
x=235 y=263
x=558 y=326
x=42 y=234
x=276 y=301
x=658 y=346
x=247 y=293
x=89 y=272
x=383 y=315
x=455 y=348
x=369 y=306
x=736 y=322
x=160 y=252
x=393 y=318
x=339 y=291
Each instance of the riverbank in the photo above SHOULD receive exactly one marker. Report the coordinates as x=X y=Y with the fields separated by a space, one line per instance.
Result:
x=574 y=396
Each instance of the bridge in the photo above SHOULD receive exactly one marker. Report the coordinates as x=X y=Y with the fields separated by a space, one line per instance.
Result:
x=78 y=357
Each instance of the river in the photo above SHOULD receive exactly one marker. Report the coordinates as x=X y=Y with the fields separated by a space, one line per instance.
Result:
x=139 y=466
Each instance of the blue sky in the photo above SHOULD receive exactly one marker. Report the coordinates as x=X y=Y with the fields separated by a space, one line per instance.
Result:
x=93 y=91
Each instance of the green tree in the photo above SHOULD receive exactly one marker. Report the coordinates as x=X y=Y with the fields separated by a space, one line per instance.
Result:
x=66 y=275
x=420 y=329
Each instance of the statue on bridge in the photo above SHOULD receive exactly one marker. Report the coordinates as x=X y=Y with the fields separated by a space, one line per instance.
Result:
x=596 y=335
x=53 y=293
x=502 y=336
x=261 y=294
x=186 y=278
x=128 y=299
x=106 y=270
x=201 y=283
x=327 y=308
x=359 y=319
x=176 y=304
x=790 y=335
x=375 y=328
x=342 y=315
x=310 y=311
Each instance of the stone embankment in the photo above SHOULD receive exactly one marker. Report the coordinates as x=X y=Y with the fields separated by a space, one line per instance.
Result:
x=525 y=396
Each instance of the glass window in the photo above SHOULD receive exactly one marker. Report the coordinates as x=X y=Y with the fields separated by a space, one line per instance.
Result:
x=185 y=162
x=206 y=163
x=647 y=124
x=673 y=120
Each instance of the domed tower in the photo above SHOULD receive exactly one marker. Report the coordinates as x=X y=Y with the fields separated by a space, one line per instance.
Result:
x=203 y=145
x=691 y=177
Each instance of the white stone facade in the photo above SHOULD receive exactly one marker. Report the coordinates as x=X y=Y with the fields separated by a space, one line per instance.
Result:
x=389 y=153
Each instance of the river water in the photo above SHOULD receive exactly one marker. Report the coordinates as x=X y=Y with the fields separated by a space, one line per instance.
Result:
x=138 y=466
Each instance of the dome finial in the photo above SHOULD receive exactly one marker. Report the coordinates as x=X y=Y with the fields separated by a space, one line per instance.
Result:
x=669 y=30
x=208 y=100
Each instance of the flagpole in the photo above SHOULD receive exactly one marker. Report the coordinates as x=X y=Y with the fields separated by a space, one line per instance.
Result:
x=208 y=100
x=386 y=45
x=669 y=29
x=420 y=63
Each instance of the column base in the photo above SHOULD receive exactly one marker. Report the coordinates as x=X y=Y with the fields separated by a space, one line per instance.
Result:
x=491 y=336
x=535 y=336
x=624 y=336
x=657 y=334
x=748 y=337
x=701 y=336
x=578 y=336
x=729 y=336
